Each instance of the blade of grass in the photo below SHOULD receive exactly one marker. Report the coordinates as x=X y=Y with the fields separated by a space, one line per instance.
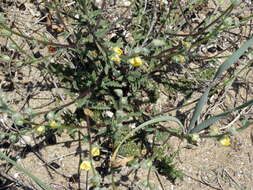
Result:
x=19 y=167
x=197 y=111
x=228 y=63
x=152 y=121
x=213 y=119
x=31 y=38
x=244 y=126
x=233 y=58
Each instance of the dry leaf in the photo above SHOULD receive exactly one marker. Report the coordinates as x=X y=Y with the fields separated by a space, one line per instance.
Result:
x=122 y=162
x=57 y=29
x=49 y=21
x=51 y=49
x=88 y=112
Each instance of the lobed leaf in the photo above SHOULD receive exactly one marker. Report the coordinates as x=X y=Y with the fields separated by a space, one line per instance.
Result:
x=152 y=121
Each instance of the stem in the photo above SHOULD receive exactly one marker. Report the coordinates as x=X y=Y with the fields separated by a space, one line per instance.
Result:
x=90 y=144
x=39 y=41
x=148 y=176
x=153 y=121
x=113 y=182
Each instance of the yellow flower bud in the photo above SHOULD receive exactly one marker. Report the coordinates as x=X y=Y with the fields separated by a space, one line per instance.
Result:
x=95 y=151
x=186 y=44
x=118 y=51
x=136 y=62
x=116 y=59
x=195 y=138
x=53 y=124
x=41 y=129
x=85 y=165
x=181 y=58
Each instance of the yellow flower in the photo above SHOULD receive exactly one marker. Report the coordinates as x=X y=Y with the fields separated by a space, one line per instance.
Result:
x=41 y=129
x=225 y=141
x=136 y=62
x=118 y=51
x=95 y=151
x=85 y=165
x=116 y=58
x=53 y=124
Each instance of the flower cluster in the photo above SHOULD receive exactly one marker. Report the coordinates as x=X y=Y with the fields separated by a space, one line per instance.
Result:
x=86 y=165
x=116 y=58
x=136 y=61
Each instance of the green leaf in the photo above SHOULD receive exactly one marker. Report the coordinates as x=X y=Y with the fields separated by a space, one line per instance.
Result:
x=158 y=42
x=233 y=58
x=19 y=167
x=5 y=33
x=113 y=84
x=118 y=92
x=2 y=19
x=101 y=107
x=213 y=119
x=197 y=111
x=17 y=118
x=13 y=138
x=152 y=121
x=106 y=69
x=4 y=107
x=100 y=33
x=80 y=102
x=229 y=62
x=5 y=58
x=95 y=13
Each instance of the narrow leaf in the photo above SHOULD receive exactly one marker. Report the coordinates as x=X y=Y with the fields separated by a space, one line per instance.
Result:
x=213 y=119
x=197 y=111
x=19 y=167
x=229 y=62
x=233 y=58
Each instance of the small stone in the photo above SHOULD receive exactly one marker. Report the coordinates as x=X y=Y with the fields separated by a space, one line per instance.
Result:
x=126 y=3
x=212 y=49
x=16 y=175
x=109 y=114
x=24 y=140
